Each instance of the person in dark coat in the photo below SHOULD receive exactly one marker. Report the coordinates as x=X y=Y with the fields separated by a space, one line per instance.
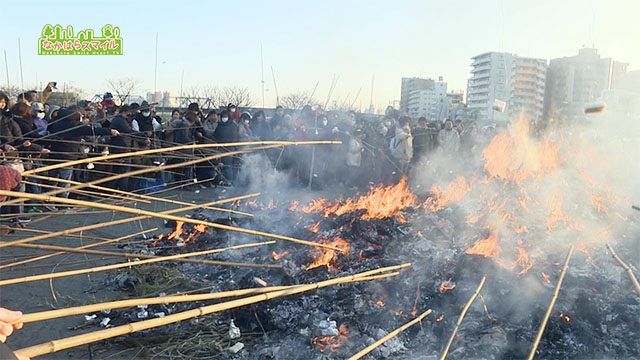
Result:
x=260 y=128
x=226 y=132
x=129 y=139
x=68 y=128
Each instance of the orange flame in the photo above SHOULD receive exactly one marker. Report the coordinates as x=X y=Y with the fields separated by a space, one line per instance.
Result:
x=328 y=257
x=523 y=259
x=380 y=303
x=565 y=317
x=455 y=191
x=177 y=232
x=440 y=318
x=332 y=343
x=514 y=157
x=380 y=202
x=294 y=205
x=487 y=247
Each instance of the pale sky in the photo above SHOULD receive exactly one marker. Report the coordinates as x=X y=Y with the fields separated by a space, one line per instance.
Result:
x=218 y=43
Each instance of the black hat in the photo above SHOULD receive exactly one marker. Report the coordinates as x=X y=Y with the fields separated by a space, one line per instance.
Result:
x=194 y=107
x=231 y=105
x=134 y=106
x=107 y=95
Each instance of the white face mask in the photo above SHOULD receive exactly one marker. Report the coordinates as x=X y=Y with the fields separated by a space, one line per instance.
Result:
x=224 y=119
x=246 y=122
x=232 y=110
x=324 y=122
x=146 y=113
x=40 y=115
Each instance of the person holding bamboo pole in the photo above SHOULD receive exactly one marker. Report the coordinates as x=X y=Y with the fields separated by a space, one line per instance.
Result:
x=69 y=128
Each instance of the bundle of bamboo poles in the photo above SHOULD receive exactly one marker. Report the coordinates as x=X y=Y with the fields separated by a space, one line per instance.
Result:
x=55 y=275
x=156 y=215
x=120 y=221
x=66 y=343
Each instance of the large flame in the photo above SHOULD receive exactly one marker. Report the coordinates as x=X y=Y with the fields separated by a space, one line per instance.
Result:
x=380 y=202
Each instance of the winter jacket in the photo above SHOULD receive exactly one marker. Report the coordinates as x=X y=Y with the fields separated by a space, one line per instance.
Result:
x=354 y=156
x=226 y=132
x=145 y=124
x=123 y=142
x=182 y=131
x=10 y=132
x=262 y=131
x=401 y=145
x=71 y=130
x=449 y=141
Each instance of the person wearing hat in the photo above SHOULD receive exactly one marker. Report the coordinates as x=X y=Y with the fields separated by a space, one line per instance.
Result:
x=234 y=114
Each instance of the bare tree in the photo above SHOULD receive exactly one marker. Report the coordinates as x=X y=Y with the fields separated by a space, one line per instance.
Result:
x=123 y=88
x=295 y=101
x=241 y=97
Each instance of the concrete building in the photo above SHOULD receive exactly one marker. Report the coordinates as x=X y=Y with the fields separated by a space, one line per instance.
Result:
x=527 y=86
x=410 y=85
x=509 y=82
x=431 y=103
x=577 y=80
x=490 y=76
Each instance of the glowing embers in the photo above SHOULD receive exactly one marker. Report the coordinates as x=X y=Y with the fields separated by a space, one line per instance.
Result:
x=328 y=257
x=446 y=286
x=332 y=343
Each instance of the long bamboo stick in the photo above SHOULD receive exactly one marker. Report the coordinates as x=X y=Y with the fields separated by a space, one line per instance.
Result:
x=545 y=319
x=42 y=257
x=461 y=317
x=55 y=275
x=73 y=341
x=145 y=171
x=389 y=336
x=120 y=221
x=92 y=194
x=120 y=304
x=141 y=256
x=160 y=216
x=36 y=231
x=627 y=269
x=170 y=149
x=141 y=196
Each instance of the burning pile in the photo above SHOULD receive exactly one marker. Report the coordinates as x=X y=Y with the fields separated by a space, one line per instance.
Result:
x=510 y=222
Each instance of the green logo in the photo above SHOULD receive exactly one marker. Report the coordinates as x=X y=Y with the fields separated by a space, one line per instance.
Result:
x=58 y=40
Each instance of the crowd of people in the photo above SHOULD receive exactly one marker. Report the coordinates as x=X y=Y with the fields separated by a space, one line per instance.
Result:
x=373 y=149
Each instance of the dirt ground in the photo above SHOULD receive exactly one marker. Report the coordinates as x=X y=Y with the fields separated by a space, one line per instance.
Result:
x=69 y=291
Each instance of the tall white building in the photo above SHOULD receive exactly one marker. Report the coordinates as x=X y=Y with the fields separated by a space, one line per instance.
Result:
x=490 y=75
x=503 y=78
x=409 y=86
x=431 y=103
x=527 y=88
x=577 y=80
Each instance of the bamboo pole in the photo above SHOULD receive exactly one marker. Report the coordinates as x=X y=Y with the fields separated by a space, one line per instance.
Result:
x=627 y=269
x=120 y=221
x=545 y=319
x=141 y=196
x=169 y=149
x=120 y=304
x=389 y=336
x=73 y=341
x=25 y=279
x=42 y=257
x=87 y=237
x=16 y=194
x=142 y=256
x=144 y=171
x=92 y=194
x=461 y=317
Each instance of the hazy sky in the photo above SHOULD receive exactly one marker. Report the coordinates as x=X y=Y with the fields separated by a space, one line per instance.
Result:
x=218 y=43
